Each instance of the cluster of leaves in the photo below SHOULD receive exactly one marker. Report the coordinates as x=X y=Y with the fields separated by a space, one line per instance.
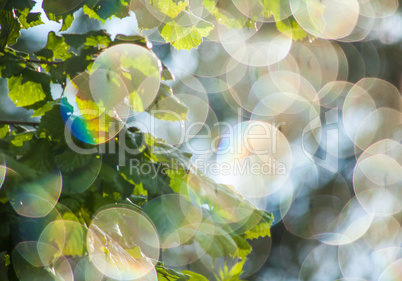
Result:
x=37 y=149
x=175 y=20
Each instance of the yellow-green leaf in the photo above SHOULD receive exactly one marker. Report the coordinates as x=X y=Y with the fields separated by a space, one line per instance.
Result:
x=169 y=7
x=186 y=37
x=28 y=19
x=56 y=48
x=291 y=28
x=4 y=130
x=194 y=276
x=24 y=93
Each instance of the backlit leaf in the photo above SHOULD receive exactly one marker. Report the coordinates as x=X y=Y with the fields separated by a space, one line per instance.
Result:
x=24 y=93
x=28 y=19
x=56 y=48
x=4 y=131
x=291 y=28
x=186 y=37
x=169 y=7
x=194 y=276
x=262 y=229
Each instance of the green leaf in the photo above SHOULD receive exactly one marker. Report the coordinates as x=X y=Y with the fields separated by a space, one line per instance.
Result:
x=31 y=89
x=60 y=7
x=11 y=64
x=20 y=144
x=169 y=7
x=66 y=19
x=219 y=244
x=24 y=93
x=56 y=48
x=172 y=157
x=140 y=191
x=266 y=9
x=167 y=274
x=166 y=74
x=236 y=270
x=262 y=229
x=68 y=161
x=145 y=19
x=42 y=110
x=166 y=102
x=28 y=19
x=57 y=10
x=226 y=13
x=75 y=239
x=7 y=261
x=194 y=276
x=93 y=38
x=135 y=253
x=77 y=65
x=92 y=14
x=75 y=202
x=4 y=131
x=186 y=37
x=247 y=221
x=9 y=28
x=156 y=182
x=134 y=200
x=134 y=139
x=291 y=28
x=178 y=180
x=52 y=124
x=20 y=139
x=231 y=275
x=20 y=5
x=79 y=171
x=40 y=157
x=243 y=248
x=142 y=63
x=115 y=182
x=71 y=242
x=106 y=9
x=20 y=168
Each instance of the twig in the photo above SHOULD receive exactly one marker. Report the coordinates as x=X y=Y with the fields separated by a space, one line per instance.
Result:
x=27 y=123
x=45 y=62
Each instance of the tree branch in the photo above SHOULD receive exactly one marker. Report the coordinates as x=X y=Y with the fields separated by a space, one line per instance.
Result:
x=45 y=62
x=26 y=123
